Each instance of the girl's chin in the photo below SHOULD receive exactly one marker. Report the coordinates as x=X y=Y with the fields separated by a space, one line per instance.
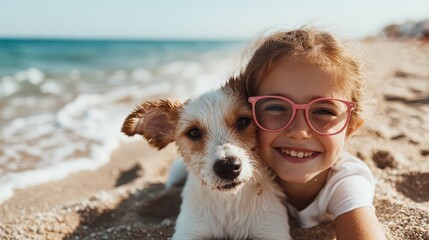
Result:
x=294 y=178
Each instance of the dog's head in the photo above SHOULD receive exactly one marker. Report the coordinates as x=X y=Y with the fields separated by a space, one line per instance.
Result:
x=214 y=133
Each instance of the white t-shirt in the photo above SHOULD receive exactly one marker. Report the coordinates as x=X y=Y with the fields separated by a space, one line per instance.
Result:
x=350 y=185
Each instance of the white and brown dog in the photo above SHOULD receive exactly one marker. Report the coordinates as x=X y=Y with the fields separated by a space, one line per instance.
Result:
x=229 y=193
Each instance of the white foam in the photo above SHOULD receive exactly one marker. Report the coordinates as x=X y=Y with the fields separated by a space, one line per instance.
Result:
x=8 y=86
x=29 y=125
x=35 y=76
x=52 y=87
x=141 y=75
x=54 y=141
x=31 y=75
x=56 y=160
x=12 y=84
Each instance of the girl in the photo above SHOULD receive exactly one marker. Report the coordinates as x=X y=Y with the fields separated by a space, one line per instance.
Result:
x=305 y=93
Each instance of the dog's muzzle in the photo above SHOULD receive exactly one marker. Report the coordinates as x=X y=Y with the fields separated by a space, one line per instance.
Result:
x=227 y=168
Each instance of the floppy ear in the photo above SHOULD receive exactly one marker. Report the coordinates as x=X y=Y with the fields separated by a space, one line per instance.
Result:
x=155 y=120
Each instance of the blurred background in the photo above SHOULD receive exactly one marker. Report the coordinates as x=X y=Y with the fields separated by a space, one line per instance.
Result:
x=70 y=71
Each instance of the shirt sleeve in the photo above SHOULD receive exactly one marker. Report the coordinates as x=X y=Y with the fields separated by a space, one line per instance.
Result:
x=350 y=193
x=353 y=187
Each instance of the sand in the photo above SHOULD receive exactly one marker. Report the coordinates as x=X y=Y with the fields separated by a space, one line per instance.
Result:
x=125 y=199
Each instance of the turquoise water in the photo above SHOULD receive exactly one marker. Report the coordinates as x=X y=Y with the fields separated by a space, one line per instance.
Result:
x=60 y=56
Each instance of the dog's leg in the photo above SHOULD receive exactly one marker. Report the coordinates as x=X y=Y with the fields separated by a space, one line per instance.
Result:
x=192 y=222
x=177 y=174
x=273 y=222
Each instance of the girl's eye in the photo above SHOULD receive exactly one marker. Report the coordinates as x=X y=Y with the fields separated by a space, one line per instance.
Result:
x=194 y=134
x=243 y=122
x=324 y=111
x=275 y=108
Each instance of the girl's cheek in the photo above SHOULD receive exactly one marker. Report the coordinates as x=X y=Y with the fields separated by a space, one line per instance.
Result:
x=336 y=143
x=264 y=138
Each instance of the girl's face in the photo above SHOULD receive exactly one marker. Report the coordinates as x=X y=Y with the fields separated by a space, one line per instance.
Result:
x=301 y=83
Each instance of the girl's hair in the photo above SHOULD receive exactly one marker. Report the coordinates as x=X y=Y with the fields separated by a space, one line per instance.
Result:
x=311 y=46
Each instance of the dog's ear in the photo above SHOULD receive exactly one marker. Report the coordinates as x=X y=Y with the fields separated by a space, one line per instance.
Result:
x=155 y=120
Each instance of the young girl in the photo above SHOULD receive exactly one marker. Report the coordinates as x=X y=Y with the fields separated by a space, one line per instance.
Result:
x=305 y=93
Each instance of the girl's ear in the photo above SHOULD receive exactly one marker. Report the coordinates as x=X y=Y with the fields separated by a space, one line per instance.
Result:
x=155 y=120
x=354 y=125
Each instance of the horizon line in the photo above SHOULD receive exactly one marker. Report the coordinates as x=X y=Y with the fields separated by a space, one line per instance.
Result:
x=130 y=39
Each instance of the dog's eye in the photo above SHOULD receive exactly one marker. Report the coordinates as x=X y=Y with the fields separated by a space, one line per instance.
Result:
x=194 y=134
x=243 y=122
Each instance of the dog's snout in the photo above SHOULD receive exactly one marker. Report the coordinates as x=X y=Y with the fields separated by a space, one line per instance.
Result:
x=227 y=168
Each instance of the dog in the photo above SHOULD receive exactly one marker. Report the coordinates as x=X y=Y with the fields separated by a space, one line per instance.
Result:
x=229 y=192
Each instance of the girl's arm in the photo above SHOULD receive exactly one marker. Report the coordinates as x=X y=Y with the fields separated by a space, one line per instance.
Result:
x=360 y=223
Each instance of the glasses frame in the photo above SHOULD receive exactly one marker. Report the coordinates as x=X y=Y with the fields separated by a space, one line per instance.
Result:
x=306 y=106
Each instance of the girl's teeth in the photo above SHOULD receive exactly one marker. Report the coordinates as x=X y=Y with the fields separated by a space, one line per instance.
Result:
x=294 y=153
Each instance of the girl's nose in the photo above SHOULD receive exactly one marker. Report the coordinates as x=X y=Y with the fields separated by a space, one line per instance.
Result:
x=298 y=128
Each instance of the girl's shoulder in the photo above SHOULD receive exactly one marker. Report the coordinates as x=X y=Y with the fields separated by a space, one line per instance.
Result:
x=349 y=169
x=350 y=185
x=349 y=165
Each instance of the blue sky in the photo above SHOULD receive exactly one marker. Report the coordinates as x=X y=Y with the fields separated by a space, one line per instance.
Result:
x=199 y=19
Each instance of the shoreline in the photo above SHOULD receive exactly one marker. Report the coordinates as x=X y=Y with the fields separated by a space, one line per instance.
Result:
x=67 y=208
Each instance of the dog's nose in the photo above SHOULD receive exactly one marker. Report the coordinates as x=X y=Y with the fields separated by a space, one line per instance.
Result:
x=227 y=168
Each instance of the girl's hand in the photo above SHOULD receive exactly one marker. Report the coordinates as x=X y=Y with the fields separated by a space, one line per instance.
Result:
x=360 y=223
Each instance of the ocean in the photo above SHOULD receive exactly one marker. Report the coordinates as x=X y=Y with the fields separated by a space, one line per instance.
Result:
x=62 y=102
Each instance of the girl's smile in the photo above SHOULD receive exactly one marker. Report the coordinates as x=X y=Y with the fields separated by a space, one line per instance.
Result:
x=296 y=155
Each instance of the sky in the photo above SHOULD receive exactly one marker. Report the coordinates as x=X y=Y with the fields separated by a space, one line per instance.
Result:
x=199 y=19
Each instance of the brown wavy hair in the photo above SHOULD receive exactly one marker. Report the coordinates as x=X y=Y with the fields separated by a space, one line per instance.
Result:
x=311 y=46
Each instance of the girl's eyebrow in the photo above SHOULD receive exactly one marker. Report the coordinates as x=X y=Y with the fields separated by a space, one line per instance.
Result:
x=309 y=97
x=277 y=94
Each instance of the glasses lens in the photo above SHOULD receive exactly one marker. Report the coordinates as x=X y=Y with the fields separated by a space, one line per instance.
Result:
x=273 y=113
x=328 y=116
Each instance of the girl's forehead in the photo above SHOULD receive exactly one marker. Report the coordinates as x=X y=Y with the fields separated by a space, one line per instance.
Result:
x=300 y=66
x=301 y=81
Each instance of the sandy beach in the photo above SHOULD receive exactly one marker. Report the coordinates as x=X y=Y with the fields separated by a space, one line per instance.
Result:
x=125 y=199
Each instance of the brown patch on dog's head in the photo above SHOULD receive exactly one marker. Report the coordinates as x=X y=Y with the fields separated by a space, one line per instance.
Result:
x=238 y=86
x=155 y=120
x=240 y=120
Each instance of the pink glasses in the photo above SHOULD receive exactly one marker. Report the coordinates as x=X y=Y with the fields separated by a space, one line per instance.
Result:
x=326 y=116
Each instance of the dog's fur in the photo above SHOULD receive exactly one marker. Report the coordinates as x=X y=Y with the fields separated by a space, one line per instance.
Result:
x=217 y=126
